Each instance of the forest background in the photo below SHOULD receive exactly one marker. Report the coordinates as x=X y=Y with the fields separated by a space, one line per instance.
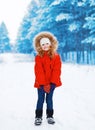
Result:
x=72 y=22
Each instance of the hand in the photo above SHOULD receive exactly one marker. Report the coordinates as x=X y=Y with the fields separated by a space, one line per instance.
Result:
x=47 y=88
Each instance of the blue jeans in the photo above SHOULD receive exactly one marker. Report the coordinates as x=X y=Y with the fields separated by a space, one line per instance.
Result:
x=41 y=98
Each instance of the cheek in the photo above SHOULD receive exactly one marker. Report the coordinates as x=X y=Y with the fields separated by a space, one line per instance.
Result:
x=42 y=47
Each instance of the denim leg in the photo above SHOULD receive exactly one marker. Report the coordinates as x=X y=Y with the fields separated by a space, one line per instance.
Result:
x=49 y=97
x=41 y=97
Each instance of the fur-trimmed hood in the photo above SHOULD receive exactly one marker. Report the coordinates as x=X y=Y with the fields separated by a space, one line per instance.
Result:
x=51 y=37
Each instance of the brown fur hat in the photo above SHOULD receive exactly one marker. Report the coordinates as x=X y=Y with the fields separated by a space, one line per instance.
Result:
x=51 y=37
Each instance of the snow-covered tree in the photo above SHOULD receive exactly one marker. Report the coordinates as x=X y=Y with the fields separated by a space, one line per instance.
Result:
x=4 y=39
x=90 y=23
x=24 y=43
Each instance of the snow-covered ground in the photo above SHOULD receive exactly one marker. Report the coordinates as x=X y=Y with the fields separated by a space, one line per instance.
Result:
x=73 y=102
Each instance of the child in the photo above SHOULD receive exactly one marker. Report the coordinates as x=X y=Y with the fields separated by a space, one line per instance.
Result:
x=47 y=74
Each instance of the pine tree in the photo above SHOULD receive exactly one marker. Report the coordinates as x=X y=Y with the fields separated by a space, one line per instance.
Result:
x=24 y=43
x=4 y=39
x=90 y=22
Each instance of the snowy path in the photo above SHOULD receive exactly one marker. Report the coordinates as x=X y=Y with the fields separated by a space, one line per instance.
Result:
x=74 y=101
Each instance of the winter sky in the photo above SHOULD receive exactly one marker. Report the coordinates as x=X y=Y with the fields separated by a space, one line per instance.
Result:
x=12 y=12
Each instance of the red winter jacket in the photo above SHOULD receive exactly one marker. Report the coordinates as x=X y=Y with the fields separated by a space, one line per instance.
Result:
x=47 y=70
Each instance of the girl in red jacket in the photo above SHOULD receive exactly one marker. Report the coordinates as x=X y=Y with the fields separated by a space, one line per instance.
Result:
x=47 y=74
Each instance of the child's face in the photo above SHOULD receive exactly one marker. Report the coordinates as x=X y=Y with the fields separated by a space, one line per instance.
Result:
x=45 y=44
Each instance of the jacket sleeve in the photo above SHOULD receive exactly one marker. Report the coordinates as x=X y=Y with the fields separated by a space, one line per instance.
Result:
x=39 y=72
x=56 y=73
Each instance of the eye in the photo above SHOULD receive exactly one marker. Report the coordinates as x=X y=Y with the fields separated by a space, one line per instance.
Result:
x=47 y=43
x=43 y=44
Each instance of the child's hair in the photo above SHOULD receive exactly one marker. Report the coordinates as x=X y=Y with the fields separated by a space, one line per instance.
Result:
x=51 y=37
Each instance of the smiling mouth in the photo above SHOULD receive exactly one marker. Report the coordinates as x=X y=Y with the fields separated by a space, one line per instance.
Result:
x=45 y=47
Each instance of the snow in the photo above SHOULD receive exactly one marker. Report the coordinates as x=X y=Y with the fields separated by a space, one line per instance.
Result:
x=63 y=16
x=73 y=27
x=80 y=4
x=74 y=103
x=57 y=2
